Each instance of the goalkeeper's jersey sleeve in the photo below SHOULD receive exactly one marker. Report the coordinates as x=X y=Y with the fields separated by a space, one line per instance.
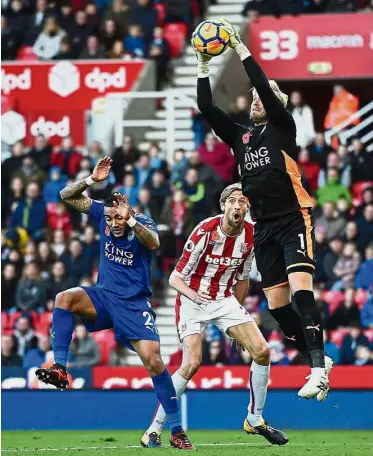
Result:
x=266 y=154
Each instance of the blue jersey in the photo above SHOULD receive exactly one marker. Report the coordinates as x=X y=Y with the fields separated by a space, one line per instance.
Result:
x=125 y=263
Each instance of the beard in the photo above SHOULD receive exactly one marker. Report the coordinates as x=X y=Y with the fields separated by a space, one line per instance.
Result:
x=258 y=117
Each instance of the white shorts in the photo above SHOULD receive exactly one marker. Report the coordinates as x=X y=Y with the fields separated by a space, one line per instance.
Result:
x=192 y=318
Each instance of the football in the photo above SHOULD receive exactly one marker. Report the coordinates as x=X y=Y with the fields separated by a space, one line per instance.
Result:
x=210 y=38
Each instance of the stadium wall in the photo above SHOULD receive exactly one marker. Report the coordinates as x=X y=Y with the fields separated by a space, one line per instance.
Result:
x=217 y=409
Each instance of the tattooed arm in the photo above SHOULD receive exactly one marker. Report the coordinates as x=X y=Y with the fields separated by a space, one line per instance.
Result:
x=72 y=194
x=147 y=237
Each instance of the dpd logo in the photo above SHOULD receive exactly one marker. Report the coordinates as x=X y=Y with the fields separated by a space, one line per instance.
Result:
x=20 y=81
x=49 y=128
x=102 y=80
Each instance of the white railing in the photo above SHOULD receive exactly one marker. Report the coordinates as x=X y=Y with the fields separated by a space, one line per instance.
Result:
x=344 y=135
x=120 y=116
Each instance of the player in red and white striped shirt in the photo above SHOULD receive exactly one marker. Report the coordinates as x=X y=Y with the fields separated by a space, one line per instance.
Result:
x=212 y=280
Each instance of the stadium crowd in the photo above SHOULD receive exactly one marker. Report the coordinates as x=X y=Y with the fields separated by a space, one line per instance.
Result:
x=47 y=248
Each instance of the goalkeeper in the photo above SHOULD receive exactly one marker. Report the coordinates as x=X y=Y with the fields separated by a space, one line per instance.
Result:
x=284 y=231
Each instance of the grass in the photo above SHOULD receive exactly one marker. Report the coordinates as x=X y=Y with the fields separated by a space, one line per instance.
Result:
x=214 y=443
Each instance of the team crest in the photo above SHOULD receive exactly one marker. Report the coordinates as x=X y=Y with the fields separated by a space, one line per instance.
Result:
x=107 y=231
x=243 y=248
x=215 y=236
x=131 y=235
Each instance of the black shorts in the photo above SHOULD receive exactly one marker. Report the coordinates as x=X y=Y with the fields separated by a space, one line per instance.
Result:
x=284 y=245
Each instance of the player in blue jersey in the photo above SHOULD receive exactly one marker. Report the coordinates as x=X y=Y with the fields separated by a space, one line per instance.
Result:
x=121 y=297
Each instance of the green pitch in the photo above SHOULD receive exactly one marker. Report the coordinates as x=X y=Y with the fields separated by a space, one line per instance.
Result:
x=214 y=443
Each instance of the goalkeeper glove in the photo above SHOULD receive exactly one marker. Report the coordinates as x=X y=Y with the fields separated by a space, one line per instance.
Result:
x=235 y=41
x=202 y=62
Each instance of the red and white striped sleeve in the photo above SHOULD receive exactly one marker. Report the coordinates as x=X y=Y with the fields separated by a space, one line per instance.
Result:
x=192 y=252
x=244 y=270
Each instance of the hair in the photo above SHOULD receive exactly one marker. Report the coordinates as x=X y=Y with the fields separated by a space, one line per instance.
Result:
x=110 y=199
x=226 y=193
x=276 y=89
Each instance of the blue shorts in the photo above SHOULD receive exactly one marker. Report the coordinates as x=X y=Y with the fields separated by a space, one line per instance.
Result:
x=131 y=321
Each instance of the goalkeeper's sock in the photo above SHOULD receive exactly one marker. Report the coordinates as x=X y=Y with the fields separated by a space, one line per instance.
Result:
x=62 y=331
x=166 y=394
x=160 y=416
x=259 y=376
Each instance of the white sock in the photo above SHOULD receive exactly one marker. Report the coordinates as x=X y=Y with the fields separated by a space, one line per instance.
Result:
x=160 y=416
x=259 y=376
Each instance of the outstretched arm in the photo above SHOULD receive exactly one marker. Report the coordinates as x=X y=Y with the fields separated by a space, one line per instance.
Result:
x=275 y=109
x=72 y=194
x=219 y=121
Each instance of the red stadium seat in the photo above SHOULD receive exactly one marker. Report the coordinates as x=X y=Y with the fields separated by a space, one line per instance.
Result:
x=175 y=33
x=13 y=318
x=4 y=321
x=333 y=299
x=45 y=322
x=161 y=12
x=361 y=297
x=26 y=53
x=106 y=342
x=337 y=336
x=357 y=191
x=369 y=334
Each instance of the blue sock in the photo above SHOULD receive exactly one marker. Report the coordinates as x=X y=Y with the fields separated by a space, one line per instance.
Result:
x=62 y=331
x=166 y=394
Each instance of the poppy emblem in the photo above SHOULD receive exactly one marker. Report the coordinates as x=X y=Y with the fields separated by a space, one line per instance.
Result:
x=246 y=138
x=107 y=231
x=215 y=236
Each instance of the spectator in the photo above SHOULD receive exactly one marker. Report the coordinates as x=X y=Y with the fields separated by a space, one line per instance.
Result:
x=76 y=263
x=18 y=19
x=67 y=158
x=8 y=356
x=218 y=155
x=196 y=194
x=215 y=355
x=346 y=267
x=330 y=348
x=36 y=22
x=30 y=254
x=119 y=356
x=365 y=227
x=134 y=41
x=319 y=149
x=16 y=194
x=65 y=51
x=120 y=14
x=30 y=171
x=30 y=213
x=118 y=51
x=24 y=336
x=8 y=286
x=109 y=34
x=146 y=17
x=331 y=258
x=93 y=17
x=241 y=112
x=15 y=258
x=363 y=356
x=66 y=17
x=322 y=305
x=129 y=189
x=333 y=189
x=351 y=341
x=37 y=356
x=367 y=199
x=9 y=41
x=333 y=161
x=95 y=152
x=321 y=250
x=160 y=41
x=93 y=49
x=58 y=281
x=341 y=108
x=208 y=176
x=179 y=166
x=159 y=191
x=361 y=162
x=142 y=171
x=124 y=158
x=156 y=161
x=45 y=258
x=156 y=53
x=91 y=245
x=53 y=186
x=178 y=214
x=364 y=277
x=12 y=163
x=48 y=42
x=346 y=312
x=60 y=219
x=340 y=6
x=333 y=223
x=59 y=243
x=144 y=202
x=31 y=293
x=310 y=169
x=80 y=32
x=85 y=349
x=41 y=152
x=263 y=7
x=303 y=117
x=366 y=316
x=277 y=353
